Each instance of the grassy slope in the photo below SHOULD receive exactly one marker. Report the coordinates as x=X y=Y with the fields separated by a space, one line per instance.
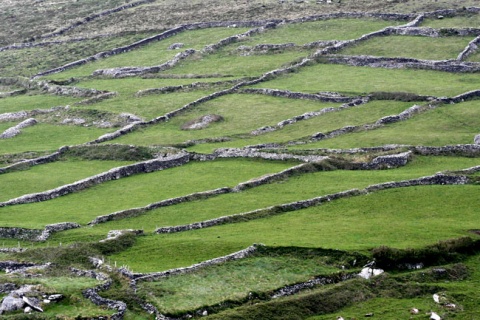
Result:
x=379 y=218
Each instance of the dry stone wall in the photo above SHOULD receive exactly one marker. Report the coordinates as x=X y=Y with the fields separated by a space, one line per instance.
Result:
x=438 y=179
x=32 y=162
x=135 y=71
x=113 y=174
x=36 y=234
x=16 y=130
x=259 y=213
x=401 y=63
x=234 y=256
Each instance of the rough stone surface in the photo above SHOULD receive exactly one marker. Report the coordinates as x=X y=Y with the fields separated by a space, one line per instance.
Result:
x=16 y=130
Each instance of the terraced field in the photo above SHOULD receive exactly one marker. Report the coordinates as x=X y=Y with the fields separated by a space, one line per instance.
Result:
x=158 y=166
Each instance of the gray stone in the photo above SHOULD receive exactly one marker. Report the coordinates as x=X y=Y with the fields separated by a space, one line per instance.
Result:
x=11 y=303
x=32 y=303
x=476 y=140
x=176 y=46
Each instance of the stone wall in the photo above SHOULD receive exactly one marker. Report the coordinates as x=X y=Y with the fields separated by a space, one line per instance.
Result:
x=469 y=150
x=32 y=162
x=259 y=213
x=234 y=256
x=123 y=72
x=16 y=130
x=113 y=174
x=324 y=96
x=36 y=234
x=400 y=63
x=353 y=102
x=438 y=179
x=138 y=211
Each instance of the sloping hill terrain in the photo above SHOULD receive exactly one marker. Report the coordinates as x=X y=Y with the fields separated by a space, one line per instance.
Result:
x=239 y=159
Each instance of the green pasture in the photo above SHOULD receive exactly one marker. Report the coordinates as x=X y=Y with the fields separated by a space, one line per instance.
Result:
x=475 y=57
x=364 y=80
x=298 y=187
x=128 y=87
x=44 y=136
x=446 y=125
x=417 y=47
x=306 y=32
x=232 y=64
x=155 y=53
x=235 y=279
x=48 y=176
x=358 y=223
x=241 y=114
x=362 y=114
x=137 y=190
x=461 y=21
x=151 y=106
x=36 y=101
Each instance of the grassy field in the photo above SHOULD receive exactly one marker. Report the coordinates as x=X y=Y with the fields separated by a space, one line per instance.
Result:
x=298 y=243
x=34 y=101
x=256 y=112
x=142 y=190
x=293 y=189
x=378 y=219
x=441 y=48
x=445 y=125
x=48 y=137
x=366 y=113
x=157 y=53
x=362 y=80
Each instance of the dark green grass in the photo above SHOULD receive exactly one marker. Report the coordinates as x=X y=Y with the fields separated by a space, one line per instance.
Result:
x=412 y=47
x=137 y=190
x=241 y=113
x=296 y=188
x=48 y=137
x=52 y=175
x=31 y=102
x=367 y=113
x=463 y=293
x=446 y=125
x=359 y=223
x=231 y=281
x=363 y=80
x=155 y=53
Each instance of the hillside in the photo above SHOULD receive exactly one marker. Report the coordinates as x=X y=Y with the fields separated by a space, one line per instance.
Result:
x=239 y=159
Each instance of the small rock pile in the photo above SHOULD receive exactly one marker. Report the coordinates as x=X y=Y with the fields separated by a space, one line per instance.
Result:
x=28 y=298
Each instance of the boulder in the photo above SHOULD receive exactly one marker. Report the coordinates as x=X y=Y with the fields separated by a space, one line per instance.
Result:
x=176 y=46
x=11 y=303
